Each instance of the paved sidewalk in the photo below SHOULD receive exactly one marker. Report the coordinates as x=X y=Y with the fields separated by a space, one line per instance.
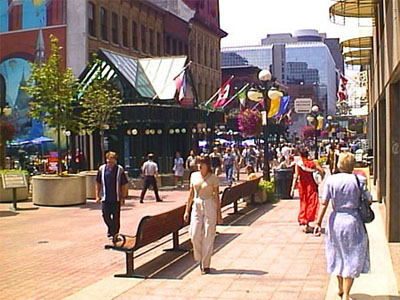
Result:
x=262 y=254
x=58 y=253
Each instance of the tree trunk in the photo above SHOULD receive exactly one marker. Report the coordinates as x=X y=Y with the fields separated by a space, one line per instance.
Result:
x=59 y=159
x=102 y=146
x=2 y=154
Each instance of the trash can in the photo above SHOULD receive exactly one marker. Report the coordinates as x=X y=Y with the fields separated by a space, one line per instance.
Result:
x=283 y=182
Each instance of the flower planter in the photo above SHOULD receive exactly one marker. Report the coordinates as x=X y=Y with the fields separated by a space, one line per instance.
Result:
x=90 y=182
x=51 y=190
x=6 y=195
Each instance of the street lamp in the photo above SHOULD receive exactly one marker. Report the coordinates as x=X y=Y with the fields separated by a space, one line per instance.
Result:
x=314 y=118
x=257 y=94
x=67 y=134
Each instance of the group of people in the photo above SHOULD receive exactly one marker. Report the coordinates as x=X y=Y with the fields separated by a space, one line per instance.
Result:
x=347 y=252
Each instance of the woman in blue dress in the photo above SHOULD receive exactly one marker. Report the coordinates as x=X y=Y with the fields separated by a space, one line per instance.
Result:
x=346 y=250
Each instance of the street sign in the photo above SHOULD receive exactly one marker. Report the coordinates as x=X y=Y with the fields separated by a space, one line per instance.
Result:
x=11 y=181
x=303 y=105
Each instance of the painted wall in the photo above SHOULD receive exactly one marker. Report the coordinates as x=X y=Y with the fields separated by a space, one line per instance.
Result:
x=22 y=23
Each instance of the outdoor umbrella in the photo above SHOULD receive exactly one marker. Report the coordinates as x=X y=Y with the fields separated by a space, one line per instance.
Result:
x=42 y=139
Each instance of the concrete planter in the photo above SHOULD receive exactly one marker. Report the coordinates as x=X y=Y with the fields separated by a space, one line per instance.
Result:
x=50 y=190
x=90 y=182
x=6 y=195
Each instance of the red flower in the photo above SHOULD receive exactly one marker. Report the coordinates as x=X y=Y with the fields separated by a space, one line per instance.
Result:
x=250 y=122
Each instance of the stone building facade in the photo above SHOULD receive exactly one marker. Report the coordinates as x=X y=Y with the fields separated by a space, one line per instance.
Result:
x=384 y=97
x=159 y=28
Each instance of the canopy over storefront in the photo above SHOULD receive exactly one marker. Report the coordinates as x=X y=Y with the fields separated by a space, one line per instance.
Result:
x=141 y=79
x=152 y=118
x=360 y=42
x=353 y=8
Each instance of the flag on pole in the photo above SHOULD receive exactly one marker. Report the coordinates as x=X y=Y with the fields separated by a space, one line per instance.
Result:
x=283 y=106
x=178 y=81
x=223 y=93
x=182 y=90
x=242 y=99
x=342 y=92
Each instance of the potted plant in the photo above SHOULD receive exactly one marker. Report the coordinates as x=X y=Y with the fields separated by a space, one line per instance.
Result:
x=53 y=90
x=266 y=191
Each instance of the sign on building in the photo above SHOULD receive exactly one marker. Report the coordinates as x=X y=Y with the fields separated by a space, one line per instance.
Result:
x=302 y=105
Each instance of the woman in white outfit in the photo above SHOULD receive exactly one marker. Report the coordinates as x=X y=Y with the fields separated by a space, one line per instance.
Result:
x=205 y=212
x=178 y=169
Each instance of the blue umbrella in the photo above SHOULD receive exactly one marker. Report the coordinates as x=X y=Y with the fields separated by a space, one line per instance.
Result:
x=42 y=139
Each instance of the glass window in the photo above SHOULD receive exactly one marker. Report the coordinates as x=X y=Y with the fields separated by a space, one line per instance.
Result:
x=158 y=42
x=151 y=33
x=125 y=32
x=134 y=36
x=92 y=19
x=114 y=28
x=103 y=22
x=143 y=33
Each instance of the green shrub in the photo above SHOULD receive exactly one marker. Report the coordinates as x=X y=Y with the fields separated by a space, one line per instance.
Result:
x=269 y=187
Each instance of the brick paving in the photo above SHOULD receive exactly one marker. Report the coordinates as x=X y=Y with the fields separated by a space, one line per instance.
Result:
x=52 y=253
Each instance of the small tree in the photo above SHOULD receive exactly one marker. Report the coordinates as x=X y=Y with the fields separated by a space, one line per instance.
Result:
x=7 y=133
x=100 y=103
x=53 y=91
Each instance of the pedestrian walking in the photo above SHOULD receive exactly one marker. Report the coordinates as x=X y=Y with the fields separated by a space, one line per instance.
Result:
x=178 y=169
x=216 y=161
x=229 y=161
x=204 y=208
x=346 y=250
x=149 y=172
x=191 y=162
x=238 y=161
x=308 y=190
x=111 y=190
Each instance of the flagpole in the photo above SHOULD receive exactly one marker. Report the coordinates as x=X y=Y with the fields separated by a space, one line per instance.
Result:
x=234 y=96
x=213 y=96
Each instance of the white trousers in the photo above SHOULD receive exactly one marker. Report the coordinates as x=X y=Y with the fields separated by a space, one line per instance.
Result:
x=202 y=229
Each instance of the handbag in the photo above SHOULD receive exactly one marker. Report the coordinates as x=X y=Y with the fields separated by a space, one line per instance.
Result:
x=317 y=176
x=366 y=213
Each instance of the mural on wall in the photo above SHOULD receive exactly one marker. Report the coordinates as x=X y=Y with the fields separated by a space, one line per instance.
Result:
x=24 y=38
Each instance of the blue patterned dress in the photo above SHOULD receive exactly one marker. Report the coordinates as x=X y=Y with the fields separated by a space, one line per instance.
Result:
x=347 y=249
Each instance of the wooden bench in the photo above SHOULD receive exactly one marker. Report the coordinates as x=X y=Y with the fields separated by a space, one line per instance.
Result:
x=151 y=229
x=236 y=192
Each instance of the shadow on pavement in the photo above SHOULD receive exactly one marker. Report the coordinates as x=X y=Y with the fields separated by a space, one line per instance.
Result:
x=367 y=297
x=177 y=264
x=248 y=215
x=7 y=213
x=237 y=272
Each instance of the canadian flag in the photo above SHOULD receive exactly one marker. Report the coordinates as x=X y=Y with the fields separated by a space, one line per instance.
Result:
x=223 y=93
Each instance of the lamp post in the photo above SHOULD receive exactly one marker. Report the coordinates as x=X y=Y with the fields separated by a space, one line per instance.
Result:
x=257 y=94
x=67 y=135
x=314 y=118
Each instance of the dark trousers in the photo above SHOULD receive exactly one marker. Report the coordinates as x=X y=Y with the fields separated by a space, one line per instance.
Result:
x=147 y=182
x=111 y=212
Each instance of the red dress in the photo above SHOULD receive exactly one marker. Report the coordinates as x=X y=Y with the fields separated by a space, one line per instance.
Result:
x=308 y=191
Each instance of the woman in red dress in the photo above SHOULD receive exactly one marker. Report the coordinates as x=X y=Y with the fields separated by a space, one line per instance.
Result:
x=308 y=190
